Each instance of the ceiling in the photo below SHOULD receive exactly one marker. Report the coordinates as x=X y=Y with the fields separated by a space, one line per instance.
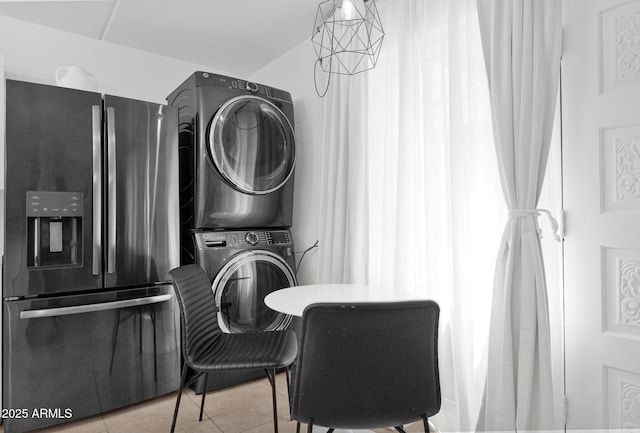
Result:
x=237 y=36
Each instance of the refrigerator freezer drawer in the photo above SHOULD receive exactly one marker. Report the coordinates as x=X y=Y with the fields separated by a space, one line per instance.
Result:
x=115 y=353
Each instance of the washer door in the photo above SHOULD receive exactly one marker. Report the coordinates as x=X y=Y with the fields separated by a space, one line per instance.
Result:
x=252 y=144
x=240 y=288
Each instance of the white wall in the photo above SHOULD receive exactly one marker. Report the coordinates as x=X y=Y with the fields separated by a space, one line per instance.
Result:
x=294 y=72
x=34 y=53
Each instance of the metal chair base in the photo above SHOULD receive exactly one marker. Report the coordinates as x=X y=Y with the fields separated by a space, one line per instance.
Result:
x=425 y=420
x=271 y=376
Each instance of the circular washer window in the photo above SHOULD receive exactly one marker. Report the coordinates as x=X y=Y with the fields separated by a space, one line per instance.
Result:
x=240 y=288
x=252 y=144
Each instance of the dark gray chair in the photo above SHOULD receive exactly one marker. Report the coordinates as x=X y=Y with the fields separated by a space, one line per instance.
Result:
x=367 y=365
x=206 y=349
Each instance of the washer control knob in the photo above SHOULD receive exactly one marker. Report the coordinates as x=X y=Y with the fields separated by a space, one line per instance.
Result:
x=252 y=87
x=251 y=238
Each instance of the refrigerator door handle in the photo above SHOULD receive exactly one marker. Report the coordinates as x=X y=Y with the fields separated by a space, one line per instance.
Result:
x=91 y=308
x=111 y=191
x=96 y=126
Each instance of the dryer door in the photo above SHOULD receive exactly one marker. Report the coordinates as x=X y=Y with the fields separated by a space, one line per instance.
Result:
x=252 y=144
x=240 y=288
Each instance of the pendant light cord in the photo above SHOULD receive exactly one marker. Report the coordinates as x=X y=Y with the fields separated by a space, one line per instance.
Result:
x=315 y=79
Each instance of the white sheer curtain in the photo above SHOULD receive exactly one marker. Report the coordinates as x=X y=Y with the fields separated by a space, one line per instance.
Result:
x=435 y=206
x=411 y=188
x=343 y=231
x=521 y=40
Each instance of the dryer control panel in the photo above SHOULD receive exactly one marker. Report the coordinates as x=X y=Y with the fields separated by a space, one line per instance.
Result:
x=242 y=239
x=211 y=79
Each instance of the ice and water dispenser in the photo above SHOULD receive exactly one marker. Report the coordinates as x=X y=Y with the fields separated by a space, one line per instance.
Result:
x=54 y=229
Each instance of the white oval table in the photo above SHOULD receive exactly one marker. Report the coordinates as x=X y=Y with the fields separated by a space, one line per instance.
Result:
x=293 y=301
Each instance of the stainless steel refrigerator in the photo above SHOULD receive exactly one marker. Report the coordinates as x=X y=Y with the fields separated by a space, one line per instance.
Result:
x=90 y=323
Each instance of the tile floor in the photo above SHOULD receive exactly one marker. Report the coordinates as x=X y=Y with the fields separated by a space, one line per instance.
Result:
x=244 y=408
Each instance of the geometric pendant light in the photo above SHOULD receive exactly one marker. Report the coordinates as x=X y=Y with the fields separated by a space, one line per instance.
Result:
x=347 y=36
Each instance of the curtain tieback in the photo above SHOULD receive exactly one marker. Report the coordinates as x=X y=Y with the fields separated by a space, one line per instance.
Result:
x=535 y=213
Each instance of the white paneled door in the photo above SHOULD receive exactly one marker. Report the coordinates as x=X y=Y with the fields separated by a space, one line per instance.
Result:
x=601 y=163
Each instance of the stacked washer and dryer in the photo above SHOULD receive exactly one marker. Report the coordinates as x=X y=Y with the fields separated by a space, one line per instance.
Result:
x=237 y=156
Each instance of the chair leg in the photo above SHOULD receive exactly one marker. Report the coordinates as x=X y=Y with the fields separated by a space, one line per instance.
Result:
x=287 y=372
x=175 y=411
x=271 y=375
x=425 y=420
x=310 y=425
x=204 y=393
x=298 y=427
x=400 y=429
